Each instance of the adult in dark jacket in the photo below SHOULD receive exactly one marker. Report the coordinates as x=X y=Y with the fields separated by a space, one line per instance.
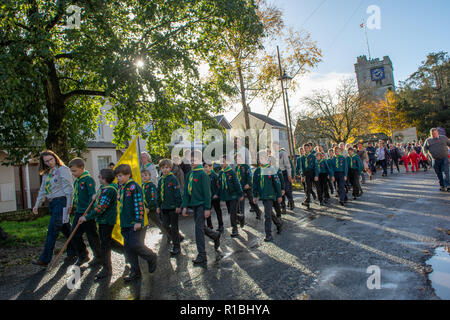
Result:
x=437 y=146
x=383 y=156
x=371 y=152
x=394 y=156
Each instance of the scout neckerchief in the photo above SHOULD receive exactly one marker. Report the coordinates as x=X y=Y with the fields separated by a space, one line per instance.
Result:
x=306 y=159
x=191 y=178
x=47 y=181
x=320 y=162
x=238 y=172
x=224 y=177
x=162 y=185
x=261 y=181
x=122 y=191
x=75 y=185
x=337 y=161
x=351 y=160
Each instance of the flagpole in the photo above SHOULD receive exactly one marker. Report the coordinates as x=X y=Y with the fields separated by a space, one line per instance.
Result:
x=367 y=39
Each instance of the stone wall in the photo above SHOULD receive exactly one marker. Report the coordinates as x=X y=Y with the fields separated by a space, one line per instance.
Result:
x=23 y=215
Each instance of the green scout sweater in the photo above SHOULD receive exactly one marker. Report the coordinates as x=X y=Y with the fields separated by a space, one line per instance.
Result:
x=244 y=174
x=168 y=192
x=131 y=204
x=309 y=163
x=230 y=187
x=339 y=164
x=149 y=189
x=266 y=185
x=281 y=178
x=215 y=187
x=197 y=189
x=354 y=162
x=105 y=207
x=84 y=189
x=324 y=168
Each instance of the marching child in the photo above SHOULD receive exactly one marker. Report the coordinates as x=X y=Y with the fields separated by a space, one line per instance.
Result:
x=331 y=184
x=197 y=196
x=406 y=160
x=131 y=214
x=310 y=173
x=355 y=167
x=215 y=200
x=105 y=214
x=244 y=175
x=278 y=208
x=169 y=203
x=84 y=191
x=324 y=174
x=267 y=187
x=340 y=173
x=231 y=193
x=150 y=199
x=423 y=160
x=414 y=159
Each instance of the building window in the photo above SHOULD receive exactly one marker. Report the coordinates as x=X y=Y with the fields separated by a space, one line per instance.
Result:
x=103 y=162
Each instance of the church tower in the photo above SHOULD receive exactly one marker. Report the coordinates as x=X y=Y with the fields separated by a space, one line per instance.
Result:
x=375 y=75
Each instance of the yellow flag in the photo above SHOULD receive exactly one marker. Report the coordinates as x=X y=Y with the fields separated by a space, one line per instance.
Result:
x=131 y=158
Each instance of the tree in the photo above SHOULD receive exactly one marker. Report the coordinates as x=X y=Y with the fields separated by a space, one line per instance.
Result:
x=424 y=96
x=249 y=60
x=338 y=116
x=143 y=56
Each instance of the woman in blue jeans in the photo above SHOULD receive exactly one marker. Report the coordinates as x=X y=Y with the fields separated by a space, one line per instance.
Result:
x=57 y=188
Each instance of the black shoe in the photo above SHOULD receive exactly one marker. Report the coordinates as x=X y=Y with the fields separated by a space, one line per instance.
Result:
x=279 y=227
x=258 y=215
x=131 y=277
x=234 y=233
x=220 y=229
x=152 y=265
x=314 y=196
x=94 y=262
x=217 y=242
x=81 y=260
x=442 y=189
x=326 y=201
x=181 y=237
x=241 y=219
x=448 y=189
x=321 y=203
x=175 y=251
x=40 y=263
x=200 y=260
x=283 y=211
x=268 y=239
x=103 y=274
x=354 y=198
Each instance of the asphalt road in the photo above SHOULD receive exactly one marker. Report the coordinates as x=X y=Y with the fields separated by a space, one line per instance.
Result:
x=322 y=253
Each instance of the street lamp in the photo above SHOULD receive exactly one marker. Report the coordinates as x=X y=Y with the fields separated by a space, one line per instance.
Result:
x=286 y=84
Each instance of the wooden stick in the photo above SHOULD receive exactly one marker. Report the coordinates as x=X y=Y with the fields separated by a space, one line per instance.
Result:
x=71 y=235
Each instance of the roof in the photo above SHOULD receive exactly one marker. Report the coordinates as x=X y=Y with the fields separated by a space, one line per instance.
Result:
x=221 y=118
x=269 y=121
x=100 y=145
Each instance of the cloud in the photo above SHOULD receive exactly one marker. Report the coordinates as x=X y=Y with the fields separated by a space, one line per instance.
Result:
x=305 y=87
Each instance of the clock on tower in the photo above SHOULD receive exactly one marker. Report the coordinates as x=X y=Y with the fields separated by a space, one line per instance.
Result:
x=377 y=74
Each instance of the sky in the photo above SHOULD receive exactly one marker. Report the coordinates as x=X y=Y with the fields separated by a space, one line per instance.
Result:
x=409 y=31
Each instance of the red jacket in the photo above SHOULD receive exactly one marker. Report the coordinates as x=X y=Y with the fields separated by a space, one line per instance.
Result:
x=423 y=157
x=413 y=156
x=405 y=158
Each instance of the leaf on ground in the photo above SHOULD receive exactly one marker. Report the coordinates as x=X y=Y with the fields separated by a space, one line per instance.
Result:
x=390 y=216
